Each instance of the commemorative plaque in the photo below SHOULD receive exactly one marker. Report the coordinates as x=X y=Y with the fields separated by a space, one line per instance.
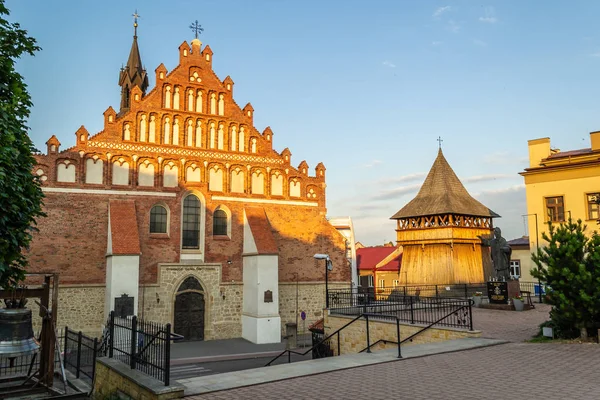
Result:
x=498 y=292
x=268 y=296
x=124 y=306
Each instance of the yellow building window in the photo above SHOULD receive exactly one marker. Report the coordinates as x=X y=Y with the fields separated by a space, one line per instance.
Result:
x=395 y=283
x=592 y=205
x=555 y=209
x=382 y=283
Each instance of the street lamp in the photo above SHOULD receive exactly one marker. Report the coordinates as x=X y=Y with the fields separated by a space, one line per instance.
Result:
x=537 y=246
x=328 y=267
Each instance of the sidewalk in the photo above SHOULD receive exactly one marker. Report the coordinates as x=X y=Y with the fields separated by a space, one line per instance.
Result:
x=231 y=380
x=227 y=349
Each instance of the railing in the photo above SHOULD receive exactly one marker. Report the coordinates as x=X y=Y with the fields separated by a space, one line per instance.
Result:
x=80 y=354
x=144 y=346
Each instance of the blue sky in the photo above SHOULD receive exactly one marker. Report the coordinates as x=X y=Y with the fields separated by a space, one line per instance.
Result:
x=364 y=87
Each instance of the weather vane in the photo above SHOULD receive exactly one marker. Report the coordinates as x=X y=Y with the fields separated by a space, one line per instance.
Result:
x=135 y=16
x=196 y=28
x=439 y=139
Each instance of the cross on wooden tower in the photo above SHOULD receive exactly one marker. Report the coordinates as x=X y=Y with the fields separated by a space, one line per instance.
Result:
x=196 y=28
x=439 y=139
x=135 y=16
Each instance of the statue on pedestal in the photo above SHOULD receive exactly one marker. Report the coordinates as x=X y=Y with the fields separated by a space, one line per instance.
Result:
x=501 y=253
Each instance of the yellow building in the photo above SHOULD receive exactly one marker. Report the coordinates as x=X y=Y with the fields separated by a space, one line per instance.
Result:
x=520 y=261
x=379 y=266
x=559 y=184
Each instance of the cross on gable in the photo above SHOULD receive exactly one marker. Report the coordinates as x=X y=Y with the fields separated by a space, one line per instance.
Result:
x=196 y=28
x=439 y=139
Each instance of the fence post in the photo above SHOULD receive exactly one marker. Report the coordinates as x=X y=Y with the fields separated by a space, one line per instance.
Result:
x=398 y=333
x=79 y=338
x=65 y=344
x=470 y=315
x=168 y=355
x=338 y=340
x=94 y=357
x=111 y=334
x=368 y=338
x=412 y=311
x=133 y=341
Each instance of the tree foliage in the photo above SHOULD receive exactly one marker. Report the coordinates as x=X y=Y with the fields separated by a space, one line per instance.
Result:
x=570 y=266
x=20 y=191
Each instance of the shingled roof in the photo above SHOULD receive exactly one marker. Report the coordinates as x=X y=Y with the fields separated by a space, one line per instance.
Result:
x=443 y=193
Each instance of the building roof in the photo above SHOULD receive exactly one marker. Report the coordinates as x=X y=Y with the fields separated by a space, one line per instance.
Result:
x=125 y=238
x=570 y=153
x=261 y=230
x=522 y=241
x=368 y=258
x=443 y=193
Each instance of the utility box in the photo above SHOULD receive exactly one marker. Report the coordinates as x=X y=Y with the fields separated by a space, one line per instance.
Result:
x=291 y=333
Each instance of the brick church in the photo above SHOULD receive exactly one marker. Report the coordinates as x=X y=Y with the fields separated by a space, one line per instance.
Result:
x=179 y=210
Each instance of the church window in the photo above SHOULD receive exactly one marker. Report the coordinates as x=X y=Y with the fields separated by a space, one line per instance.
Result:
x=207 y=57
x=199 y=101
x=233 y=139
x=220 y=223
x=158 y=219
x=176 y=99
x=192 y=173
x=221 y=104
x=242 y=146
x=190 y=100
x=170 y=174
x=126 y=132
x=258 y=183
x=143 y=128
x=146 y=174
x=167 y=133
x=176 y=131
x=555 y=209
x=198 y=133
x=220 y=137
x=311 y=194
x=191 y=223
x=212 y=135
x=93 y=171
x=120 y=173
x=294 y=188
x=277 y=184
x=253 y=148
x=215 y=179
x=168 y=97
x=65 y=172
x=152 y=129
x=190 y=133
x=213 y=103
x=237 y=181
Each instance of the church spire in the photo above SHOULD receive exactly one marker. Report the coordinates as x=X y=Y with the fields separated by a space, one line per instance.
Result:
x=133 y=74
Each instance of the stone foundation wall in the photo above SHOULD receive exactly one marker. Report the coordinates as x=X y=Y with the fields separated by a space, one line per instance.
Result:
x=354 y=337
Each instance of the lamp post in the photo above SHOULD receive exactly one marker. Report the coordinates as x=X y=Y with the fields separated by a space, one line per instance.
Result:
x=328 y=267
x=537 y=246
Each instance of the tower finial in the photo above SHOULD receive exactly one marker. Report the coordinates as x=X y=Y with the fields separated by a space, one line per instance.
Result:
x=196 y=28
x=439 y=139
x=135 y=16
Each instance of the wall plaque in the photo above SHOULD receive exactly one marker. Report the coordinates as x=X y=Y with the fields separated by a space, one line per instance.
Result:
x=124 y=306
x=498 y=292
x=268 y=296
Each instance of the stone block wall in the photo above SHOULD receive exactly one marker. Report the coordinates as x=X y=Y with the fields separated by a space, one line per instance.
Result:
x=354 y=337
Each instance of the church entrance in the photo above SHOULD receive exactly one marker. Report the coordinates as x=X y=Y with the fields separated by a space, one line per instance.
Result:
x=189 y=310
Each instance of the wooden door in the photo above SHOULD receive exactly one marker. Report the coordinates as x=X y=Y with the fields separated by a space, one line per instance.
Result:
x=189 y=315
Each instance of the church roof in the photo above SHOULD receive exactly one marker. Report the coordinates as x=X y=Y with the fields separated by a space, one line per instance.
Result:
x=261 y=230
x=125 y=238
x=443 y=193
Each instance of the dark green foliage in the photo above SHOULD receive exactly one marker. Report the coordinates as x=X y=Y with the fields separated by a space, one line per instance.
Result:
x=570 y=266
x=20 y=192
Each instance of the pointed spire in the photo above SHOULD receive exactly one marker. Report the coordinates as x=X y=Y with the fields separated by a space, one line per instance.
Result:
x=133 y=74
x=443 y=193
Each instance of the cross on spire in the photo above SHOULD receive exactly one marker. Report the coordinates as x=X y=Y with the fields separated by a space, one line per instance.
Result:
x=196 y=28
x=135 y=16
x=439 y=139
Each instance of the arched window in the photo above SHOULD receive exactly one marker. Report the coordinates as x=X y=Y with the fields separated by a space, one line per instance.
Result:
x=220 y=223
x=158 y=219
x=191 y=223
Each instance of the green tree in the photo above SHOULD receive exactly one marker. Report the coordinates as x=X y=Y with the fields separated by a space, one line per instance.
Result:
x=570 y=266
x=20 y=191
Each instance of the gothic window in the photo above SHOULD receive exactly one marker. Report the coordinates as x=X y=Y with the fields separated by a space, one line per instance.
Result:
x=190 y=100
x=311 y=193
x=253 y=148
x=143 y=128
x=242 y=146
x=94 y=171
x=176 y=131
x=170 y=174
x=190 y=234
x=215 y=179
x=220 y=137
x=146 y=174
x=220 y=222
x=168 y=97
x=294 y=188
x=199 y=101
x=237 y=181
x=233 y=140
x=192 y=173
x=126 y=132
x=190 y=133
x=258 y=182
x=199 y=133
x=120 y=173
x=167 y=133
x=158 y=219
x=65 y=172
x=152 y=129
x=176 y=98
x=213 y=103
x=212 y=135
x=221 y=104
x=277 y=184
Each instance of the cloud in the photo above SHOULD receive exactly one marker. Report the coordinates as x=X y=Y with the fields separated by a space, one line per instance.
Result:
x=404 y=178
x=436 y=43
x=373 y=163
x=389 y=64
x=440 y=10
x=484 y=178
x=597 y=54
x=397 y=192
x=490 y=16
x=453 y=26
x=478 y=42
x=510 y=189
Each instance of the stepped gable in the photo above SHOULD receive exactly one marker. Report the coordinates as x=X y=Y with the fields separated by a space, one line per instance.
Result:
x=443 y=193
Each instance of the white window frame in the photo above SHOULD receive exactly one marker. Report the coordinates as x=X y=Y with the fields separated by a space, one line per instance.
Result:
x=515 y=268
x=370 y=284
x=382 y=283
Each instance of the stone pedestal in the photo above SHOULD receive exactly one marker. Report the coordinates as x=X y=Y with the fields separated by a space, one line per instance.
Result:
x=501 y=292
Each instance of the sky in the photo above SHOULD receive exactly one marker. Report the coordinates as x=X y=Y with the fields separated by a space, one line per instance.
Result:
x=366 y=87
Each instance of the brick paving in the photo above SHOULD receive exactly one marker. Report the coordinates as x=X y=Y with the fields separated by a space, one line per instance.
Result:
x=515 y=370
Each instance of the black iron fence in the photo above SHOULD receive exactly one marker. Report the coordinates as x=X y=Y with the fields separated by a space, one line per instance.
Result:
x=80 y=353
x=143 y=345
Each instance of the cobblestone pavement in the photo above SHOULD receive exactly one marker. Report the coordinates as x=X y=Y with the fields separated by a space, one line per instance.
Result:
x=514 y=370
x=510 y=325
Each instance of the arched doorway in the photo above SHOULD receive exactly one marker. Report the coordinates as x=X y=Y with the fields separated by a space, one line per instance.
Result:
x=189 y=310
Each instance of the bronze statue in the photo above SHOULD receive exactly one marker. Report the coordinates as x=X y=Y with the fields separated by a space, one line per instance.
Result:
x=501 y=253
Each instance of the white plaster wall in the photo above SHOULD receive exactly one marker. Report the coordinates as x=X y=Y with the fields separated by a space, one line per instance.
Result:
x=122 y=276
x=146 y=175
x=170 y=176
x=249 y=243
x=277 y=185
x=258 y=184
x=215 y=182
x=237 y=181
x=65 y=172
x=261 y=330
x=192 y=175
x=93 y=171
x=294 y=189
x=120 y=174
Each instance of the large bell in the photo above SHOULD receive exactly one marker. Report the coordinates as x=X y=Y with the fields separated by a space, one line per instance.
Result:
x=16 y=333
